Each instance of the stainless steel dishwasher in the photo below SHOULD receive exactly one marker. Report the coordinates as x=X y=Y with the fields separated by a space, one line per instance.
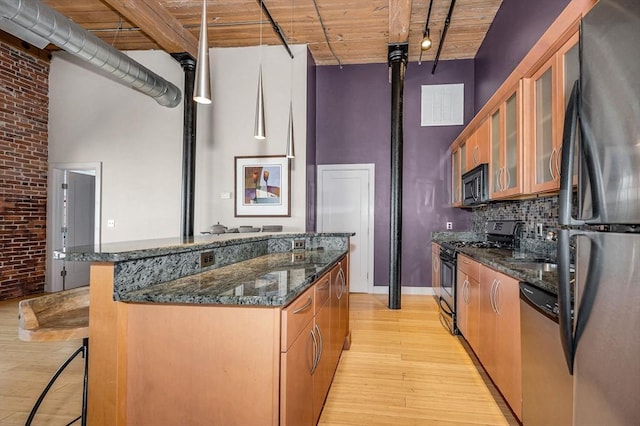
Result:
x=547 y=386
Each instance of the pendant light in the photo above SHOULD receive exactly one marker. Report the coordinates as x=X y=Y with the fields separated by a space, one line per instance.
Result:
x=202 y=87
x=290 y=153
x=259 y=131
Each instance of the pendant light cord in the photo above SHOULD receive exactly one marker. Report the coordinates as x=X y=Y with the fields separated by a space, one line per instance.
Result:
x=261 y=18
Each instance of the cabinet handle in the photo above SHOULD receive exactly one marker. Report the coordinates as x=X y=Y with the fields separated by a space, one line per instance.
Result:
x=492 y=297
x=436 y=265
x=466 y=261
x=341 y=277
x=553 y=152
x=465 y=291
x=558 y=154
x=508 y=178
x=320 y=344
x=496 y=296
x=475 y=158
x=303 y=307
x=323 y=286
x=315 y=351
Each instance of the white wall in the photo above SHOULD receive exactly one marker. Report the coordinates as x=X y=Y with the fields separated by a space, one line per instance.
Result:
x=225 y=129
x=139 y=142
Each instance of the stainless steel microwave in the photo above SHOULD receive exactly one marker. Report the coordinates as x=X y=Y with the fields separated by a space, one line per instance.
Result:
x=475 y=186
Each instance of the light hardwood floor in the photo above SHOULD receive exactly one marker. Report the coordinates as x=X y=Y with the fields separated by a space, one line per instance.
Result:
x=403 y=368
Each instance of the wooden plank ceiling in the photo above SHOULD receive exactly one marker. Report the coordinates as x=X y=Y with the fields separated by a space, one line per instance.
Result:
x=358 y=31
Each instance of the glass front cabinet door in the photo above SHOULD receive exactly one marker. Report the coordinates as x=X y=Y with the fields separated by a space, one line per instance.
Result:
x=549 y=89
x=506 y=147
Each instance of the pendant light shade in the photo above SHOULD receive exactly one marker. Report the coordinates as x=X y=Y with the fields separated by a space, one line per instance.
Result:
x=259 y=130
x=290 y=146
x=202 y=87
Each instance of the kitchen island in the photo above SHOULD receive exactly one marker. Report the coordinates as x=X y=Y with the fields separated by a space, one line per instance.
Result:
x=215 y=330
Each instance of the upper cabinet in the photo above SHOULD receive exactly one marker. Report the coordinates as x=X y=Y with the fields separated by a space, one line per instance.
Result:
x=505 y=135
x=477 y=147
x=547 y=92
x=456 y=176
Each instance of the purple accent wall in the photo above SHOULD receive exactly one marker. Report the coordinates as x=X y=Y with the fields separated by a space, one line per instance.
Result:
x=516 y=28
x=311 y=144
x=353 y=126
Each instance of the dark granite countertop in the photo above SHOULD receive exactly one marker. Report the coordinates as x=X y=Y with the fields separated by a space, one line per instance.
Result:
x=131 y=250
x=274 y=279
x=515 y=263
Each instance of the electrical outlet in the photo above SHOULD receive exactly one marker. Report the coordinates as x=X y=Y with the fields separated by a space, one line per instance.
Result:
x=111 y=223
x=539 y=229
x=207 y=258
x=298 y=245
x=297 y=257
x=449 y=225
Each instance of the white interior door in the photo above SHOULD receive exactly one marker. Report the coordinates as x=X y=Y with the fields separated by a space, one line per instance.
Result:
x=346 y=204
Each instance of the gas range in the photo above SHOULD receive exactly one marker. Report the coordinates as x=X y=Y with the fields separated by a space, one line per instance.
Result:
x=501 y=234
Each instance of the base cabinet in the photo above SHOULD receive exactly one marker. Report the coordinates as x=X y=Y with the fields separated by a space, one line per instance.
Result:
x=309 y=363
x=296 y=386
x=468 y=299
x=498 y=345
x=435 y=270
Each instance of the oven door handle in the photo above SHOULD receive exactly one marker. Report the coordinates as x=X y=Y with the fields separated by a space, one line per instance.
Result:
x=445 y=307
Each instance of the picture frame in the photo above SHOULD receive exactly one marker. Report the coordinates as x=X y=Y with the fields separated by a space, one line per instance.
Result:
x=263 y=186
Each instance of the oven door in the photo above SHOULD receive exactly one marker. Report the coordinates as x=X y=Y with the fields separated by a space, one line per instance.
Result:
x=447 y=294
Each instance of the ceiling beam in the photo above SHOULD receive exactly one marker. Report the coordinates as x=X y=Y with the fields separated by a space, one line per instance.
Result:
x=399 y=20
x=158 y=24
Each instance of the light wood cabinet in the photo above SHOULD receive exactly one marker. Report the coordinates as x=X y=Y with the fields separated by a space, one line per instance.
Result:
x=296 y=385
x=477 y=147
x=468 y=299
x=340 y=307
x=435 y=270
x=505 y=165
x=456 y=177
x=309 y=363
x=324 y=366
x=499 y=334
x=547 y=94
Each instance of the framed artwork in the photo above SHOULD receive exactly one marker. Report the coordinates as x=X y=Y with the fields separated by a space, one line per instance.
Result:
x=262 y=186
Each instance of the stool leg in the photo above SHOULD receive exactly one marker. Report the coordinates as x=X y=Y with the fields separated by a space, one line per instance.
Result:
x=85 y=347
x=53 y=379
x=85 y=355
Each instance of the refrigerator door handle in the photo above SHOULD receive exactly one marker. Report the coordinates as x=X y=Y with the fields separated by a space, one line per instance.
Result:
x=566 y=167
x=564 y=297
x=589 y=291
x=568 y=337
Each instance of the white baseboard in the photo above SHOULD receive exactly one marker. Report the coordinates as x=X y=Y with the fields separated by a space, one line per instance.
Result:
x=405 y=290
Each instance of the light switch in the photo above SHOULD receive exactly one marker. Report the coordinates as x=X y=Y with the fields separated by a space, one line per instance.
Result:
x=225 y=195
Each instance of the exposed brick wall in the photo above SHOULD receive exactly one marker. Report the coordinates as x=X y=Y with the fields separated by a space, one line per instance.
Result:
x=24 y=102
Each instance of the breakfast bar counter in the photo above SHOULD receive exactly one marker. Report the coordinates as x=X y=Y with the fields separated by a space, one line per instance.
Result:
x=204 y=331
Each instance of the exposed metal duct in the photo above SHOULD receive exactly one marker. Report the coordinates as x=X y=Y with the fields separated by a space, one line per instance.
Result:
x=46 y=23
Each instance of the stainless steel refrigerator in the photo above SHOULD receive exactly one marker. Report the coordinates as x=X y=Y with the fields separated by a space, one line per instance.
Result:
x=600 y=319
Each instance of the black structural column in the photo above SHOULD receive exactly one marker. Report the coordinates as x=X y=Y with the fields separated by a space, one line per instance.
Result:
x=398 y=54
x=188 y=145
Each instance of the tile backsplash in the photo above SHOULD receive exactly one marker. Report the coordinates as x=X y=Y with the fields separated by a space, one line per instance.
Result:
x=542 y=210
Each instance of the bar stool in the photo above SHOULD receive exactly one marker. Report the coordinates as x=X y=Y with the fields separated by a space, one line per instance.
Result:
x=58 y=317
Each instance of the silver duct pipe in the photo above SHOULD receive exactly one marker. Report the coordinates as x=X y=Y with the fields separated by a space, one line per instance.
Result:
x=46 y=23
